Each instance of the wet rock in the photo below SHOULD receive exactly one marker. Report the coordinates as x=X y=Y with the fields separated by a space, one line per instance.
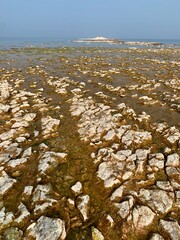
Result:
x=24 y=215
x=159 y=200
x=83 y=204
x=5 y=218
x=136 y=138
x=173 y=160
x=77 y=188
x=164 y=185
x=41 y=198
x=13 y=233
x=50 y=160
x=117 y=194
x=16 y=162
x=8 y=135
x=156 y=160
x=27 y=152
x=4 y=92
x=27 y=193
x=96 y=234
x=142 y=217
x=156 y=236
x=6 y=183
x=125 y=207
x=49 y=125
x=47 y=229
x=107 y=174
x=20 y=124
x=110 y=136
x=172 y=228
x=4 y=108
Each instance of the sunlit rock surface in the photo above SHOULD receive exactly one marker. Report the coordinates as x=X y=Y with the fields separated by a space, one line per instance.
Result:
x=90 y=143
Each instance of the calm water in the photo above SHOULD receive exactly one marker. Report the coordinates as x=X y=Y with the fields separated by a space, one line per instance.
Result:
x=6 y=43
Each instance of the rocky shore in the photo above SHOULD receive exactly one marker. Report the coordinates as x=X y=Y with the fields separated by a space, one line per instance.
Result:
x=89 y=144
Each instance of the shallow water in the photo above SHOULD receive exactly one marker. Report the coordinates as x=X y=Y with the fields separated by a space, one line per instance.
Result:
x=121 y=76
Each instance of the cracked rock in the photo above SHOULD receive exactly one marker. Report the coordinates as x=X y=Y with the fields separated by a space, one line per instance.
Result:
x=46 y=229
x=172 y=228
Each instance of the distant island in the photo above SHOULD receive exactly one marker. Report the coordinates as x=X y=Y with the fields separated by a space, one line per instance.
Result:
x=100 y=40
x=116 y=41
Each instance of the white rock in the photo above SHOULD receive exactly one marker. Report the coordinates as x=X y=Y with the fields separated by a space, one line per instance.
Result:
x=27 y=191
x=136 y=138
x=49 y=125
x=20 y=139
x=47 y=229
x=142 y=154
x=110 y=135
x=27 y=152
x=77 y=188
x=25 y=214
x=156 y=236
x=173 y=160
x=117 y=194
x=107 y=174
x=125 y=207
x=7 y=135
x=172 y=228
x=4 y=157
x=83 y=206
x=29 y=117
x=4 y=108
x=20 y=124
x=159 y=200
x=96 y=234
x=49 y=159
x=5 y=218
x=6 y=182
x=142 y=217
x=16 y=162
x=164 y=185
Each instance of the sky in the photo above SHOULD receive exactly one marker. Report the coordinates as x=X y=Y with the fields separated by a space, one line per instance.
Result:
x=72 y=19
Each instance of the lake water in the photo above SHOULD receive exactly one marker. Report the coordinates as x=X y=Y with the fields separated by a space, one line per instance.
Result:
x=6 y=43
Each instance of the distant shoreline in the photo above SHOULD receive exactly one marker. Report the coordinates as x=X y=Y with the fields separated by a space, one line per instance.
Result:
x=8 y=43
x=116 y=41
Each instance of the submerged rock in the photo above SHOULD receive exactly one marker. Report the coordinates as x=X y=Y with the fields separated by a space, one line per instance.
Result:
x=96 y=234
x=13 y=233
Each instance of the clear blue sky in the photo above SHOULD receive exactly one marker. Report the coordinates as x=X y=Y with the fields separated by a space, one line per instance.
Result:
x=67 y=19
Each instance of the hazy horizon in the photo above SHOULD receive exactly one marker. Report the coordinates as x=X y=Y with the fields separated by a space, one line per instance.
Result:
x=70 y=19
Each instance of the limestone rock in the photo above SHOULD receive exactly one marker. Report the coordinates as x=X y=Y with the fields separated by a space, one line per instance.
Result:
x=159 y=200
x=24 y=215
x=136 y=138
x=13 y=233
x=5 y=182
x=49 y=160
x=46 y=229
x=142 y=216
x=172 y=228
x=77 y=188
x=5 y=218
x=107 y=174
x=83 y=206
x=156 y=236
x=49 y=125
x=173 y=160
x=96 y=234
